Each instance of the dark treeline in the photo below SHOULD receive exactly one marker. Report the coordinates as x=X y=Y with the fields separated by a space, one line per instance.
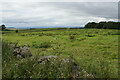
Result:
x=103 y=25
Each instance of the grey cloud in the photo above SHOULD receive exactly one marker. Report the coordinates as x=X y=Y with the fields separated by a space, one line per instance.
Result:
x=100 y=9
x=57 y=14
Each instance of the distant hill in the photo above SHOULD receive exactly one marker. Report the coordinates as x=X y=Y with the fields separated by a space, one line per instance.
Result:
x=10 y=27
x=44 y=27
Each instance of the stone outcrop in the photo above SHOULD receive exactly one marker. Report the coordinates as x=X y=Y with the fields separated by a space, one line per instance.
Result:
x=46 y=58
x=21 y=52
x=12 y=46
x=75 y=69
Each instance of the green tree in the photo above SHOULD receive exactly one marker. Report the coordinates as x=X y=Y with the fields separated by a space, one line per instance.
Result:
x=103 y=25
x=3 y=27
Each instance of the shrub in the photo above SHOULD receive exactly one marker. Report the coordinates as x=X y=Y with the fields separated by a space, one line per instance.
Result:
x=72 y=37
x=16 y=31
x=90 y=35
x=42 y=45
x=45 y=45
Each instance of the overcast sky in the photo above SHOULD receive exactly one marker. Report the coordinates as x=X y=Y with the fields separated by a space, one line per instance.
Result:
x=41 y=14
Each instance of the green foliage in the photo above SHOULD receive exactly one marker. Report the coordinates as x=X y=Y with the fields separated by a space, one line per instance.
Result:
x=2 y=27
x=103 y=25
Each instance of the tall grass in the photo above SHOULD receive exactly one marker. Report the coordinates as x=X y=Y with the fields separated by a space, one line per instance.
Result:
x=30 y=68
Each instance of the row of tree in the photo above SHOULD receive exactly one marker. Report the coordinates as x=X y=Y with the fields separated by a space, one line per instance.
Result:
x=103 y=25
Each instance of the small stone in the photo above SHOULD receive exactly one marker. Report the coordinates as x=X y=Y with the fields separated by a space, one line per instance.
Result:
x=12 y=46
x=46 y=58
x=19 y=57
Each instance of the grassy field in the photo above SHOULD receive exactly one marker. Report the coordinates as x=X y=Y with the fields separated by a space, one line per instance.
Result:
x=95 y=50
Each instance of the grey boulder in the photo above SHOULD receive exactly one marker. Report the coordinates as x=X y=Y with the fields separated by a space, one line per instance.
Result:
x=22 y=51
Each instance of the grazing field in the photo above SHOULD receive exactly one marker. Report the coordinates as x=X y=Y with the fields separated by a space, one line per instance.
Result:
x=95 y=50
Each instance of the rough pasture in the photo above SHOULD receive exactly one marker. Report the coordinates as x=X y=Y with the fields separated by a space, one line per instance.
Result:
x=95 y=50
